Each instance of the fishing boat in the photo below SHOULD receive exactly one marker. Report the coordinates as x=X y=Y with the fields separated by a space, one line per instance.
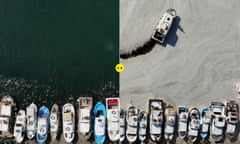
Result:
x=20 y=126
x=68 y=114
x=232 y=118
x=183 y=121
x=122 y=125
x=100 y=114
x=132 y=123
x=54 y=122
x=194 y=124
x=156 y=118
x=43 y=124
x=142 y=132
x=218 y=121
x=6 y=116
x=164 y=25
x=31 y=120
x=113 y=118
x=84 y=117
x=205 y=122
x=170 y=115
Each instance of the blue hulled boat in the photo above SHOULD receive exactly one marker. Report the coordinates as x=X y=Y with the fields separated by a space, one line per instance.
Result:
x=43 y=124
x=205 y=122
x=99 y=123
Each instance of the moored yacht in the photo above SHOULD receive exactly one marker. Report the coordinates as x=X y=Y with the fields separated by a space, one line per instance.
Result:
x=205 y=122
x=31 y=120
x=182 y=121
x=6 y=116
x=132 y=123
x=156 y=119
x=20 y=126
x=122 y=124
x=113 y=118
x=54 y=122
x=194 y=124
x=68 y=121
x=100 y=114
x=85 y=105
x=170 y=116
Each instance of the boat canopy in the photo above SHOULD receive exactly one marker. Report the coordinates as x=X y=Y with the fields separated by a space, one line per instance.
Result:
x=67 y=116
x=5 y=110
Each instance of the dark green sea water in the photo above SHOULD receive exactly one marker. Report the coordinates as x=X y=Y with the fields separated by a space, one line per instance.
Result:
x=51 y=50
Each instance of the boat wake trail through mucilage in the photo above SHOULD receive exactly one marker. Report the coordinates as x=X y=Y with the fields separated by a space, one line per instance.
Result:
x=141 y=50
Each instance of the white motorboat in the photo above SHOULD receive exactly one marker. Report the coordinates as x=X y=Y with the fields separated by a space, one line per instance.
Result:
x=68 y=113
x=31 y=120
x=142 y=132
x=164 y=25
x=6 y=116
x=122 y=125
x=20 y=126
x=170 y=115
x=218 y=121
x=182 y=121
x=156 y=118
x=85 y=105
x=54 y=122
x=194 y=124
x=113 y=118
x=132 y=124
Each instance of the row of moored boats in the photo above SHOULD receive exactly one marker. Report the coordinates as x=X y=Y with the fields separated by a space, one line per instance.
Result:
x=38 y=123
x=161 y=122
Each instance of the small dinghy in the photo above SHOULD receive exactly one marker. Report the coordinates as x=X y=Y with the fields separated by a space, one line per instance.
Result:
x=170 y=115
x=132 y=124
x=84 y=117
x=164 y=25
x=232 y=119
x=43 y=124
x=156 y=118
x=54 y=122
x=20 y=126
x=113 y=118
x=31 y=120
x=142 y=132
x=218 y=121
x=183 y=121
x=205 y=122
x=68 y=114
x=122 y=125
x=194 y=124
x=100 y=114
